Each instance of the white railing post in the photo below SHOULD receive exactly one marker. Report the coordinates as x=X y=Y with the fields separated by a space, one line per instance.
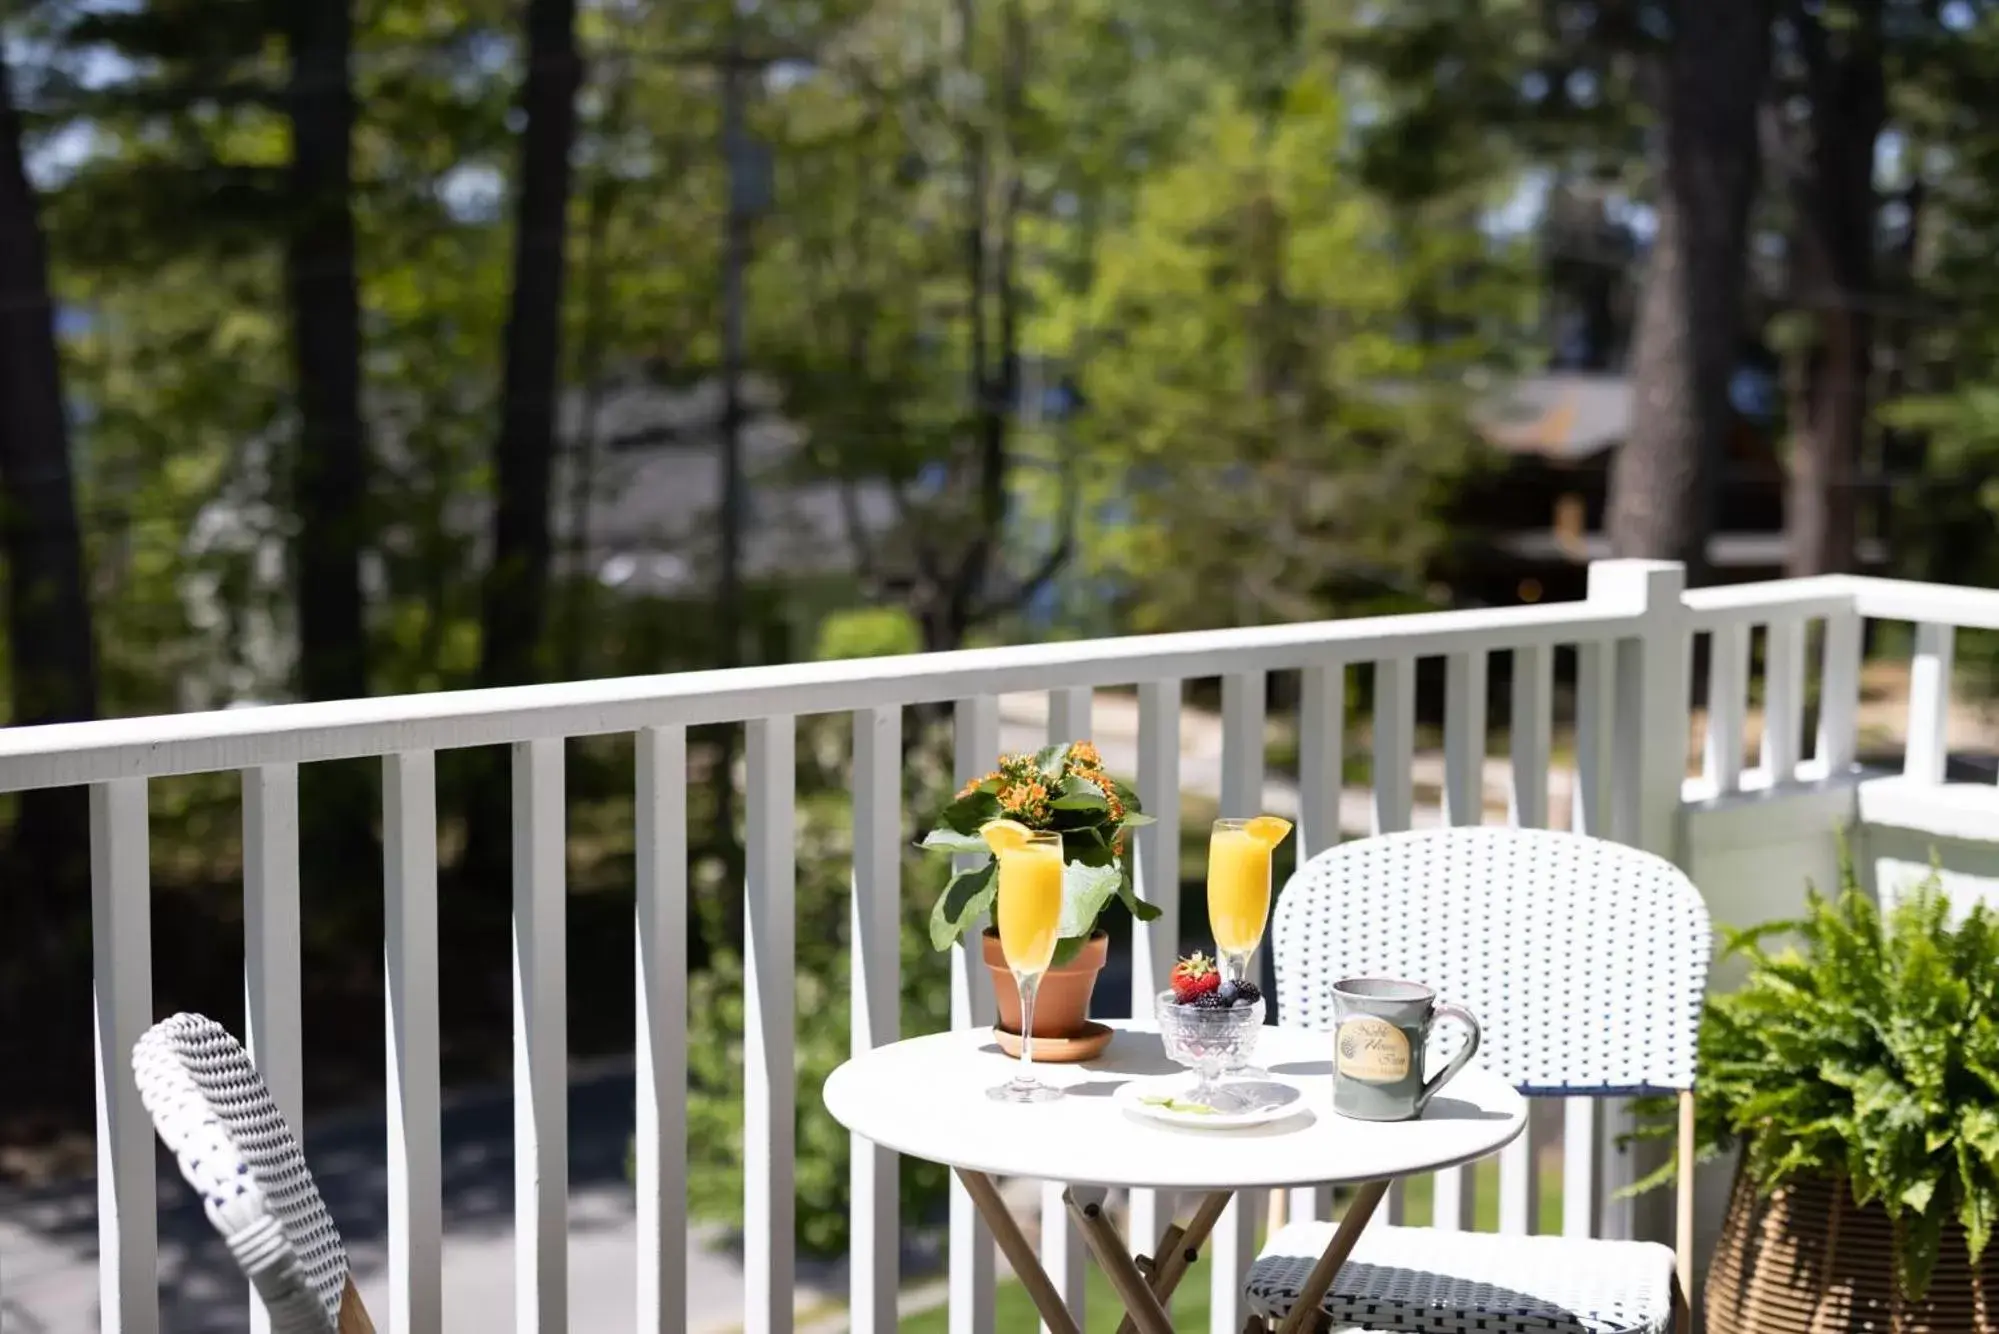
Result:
x=1394 y=744
x=121 y=944
x=1068 y=720
x=1928 y=748
x=660 y=1061
x=1157 y=849
x=1649 y=765
x=409 y=967
x=975 y=726
x=541 y=1041
x=770 y=1070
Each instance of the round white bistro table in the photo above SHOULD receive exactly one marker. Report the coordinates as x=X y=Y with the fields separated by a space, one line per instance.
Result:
x=926 y=1098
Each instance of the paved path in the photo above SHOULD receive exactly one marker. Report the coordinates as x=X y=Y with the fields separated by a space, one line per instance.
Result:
x=48 y=1238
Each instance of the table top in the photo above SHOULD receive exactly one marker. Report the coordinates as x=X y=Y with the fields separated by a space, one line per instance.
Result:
x=926 y=1097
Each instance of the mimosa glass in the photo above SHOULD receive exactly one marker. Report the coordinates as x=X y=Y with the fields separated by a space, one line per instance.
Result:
x=1238 y=893
x=1029 y=915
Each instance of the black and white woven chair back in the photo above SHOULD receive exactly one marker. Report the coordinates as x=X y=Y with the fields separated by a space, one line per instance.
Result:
x=213 y=1111
x=1586 y=961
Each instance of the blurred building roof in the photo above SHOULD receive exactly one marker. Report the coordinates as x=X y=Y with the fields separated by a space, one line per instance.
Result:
x=1562 y=414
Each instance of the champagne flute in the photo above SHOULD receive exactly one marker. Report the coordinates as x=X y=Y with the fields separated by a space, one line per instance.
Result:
x=1029 y=914
x=1239 y=887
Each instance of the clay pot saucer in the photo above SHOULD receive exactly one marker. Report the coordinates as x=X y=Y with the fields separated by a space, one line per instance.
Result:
x=1086 y=1045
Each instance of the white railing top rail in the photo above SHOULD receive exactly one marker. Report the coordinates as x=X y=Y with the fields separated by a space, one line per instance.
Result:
x=1823 y=595
x=1743 y=604
x=1909 y=600
x=72 y=753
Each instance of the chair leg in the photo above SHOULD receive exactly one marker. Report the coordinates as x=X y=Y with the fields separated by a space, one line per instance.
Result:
x=353 y=1315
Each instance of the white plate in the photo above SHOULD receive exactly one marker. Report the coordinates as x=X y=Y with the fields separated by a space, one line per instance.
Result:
x=1283 y=1101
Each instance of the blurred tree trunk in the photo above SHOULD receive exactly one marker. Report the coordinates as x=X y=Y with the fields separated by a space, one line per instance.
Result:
x=330 y=470
x=514 y=601
x=329 y=480
x=1836 y=205
x=1686 y=343
x=52 y=667
x=514 y=610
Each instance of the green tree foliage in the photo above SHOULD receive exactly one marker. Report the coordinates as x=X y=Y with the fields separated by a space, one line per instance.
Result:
x=1276 y=361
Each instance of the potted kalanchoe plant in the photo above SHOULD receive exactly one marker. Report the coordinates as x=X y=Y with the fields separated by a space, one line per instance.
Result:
x=1064 y=789
x=1857 y=1070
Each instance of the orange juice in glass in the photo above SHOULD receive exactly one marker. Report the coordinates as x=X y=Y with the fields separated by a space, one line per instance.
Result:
x=1239 y=886
x=1028 y=912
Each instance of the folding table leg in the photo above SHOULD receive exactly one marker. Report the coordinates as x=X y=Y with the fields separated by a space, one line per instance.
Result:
x=1118 y=1266
x=1352 y=1222
x=1026 y=1264
x=1177 y=1250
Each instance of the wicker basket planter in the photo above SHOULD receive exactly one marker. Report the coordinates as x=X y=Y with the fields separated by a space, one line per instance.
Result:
x=1807 y=1260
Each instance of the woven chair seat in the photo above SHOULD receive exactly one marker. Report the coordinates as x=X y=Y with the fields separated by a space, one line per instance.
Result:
x=1424 y=1281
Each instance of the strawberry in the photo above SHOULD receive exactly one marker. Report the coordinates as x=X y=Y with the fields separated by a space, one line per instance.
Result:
x=1193 y=977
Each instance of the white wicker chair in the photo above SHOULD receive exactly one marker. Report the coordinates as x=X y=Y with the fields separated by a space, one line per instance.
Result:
x=1586 y=963
x=213 y=1111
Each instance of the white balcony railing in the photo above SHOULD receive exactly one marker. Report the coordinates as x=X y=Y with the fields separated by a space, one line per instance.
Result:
x=1634 y=635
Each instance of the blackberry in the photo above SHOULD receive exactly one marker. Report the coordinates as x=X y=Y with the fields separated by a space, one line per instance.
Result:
x=1211 y=1000
x=1246 y=991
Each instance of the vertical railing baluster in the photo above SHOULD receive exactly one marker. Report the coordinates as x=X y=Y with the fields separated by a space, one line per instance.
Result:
x=1394 y=742
x=271 y=947
x=660 y=1064
x=1452 y=1194
x=975 y=728
x=1157 y=850
x=1925 y=758
x=121 y=945
x=409 y=912
x=1839 y=693
x=1727 y=692
x=1393 y=750
x=770 y=1079
x=541 y=1056
x=1580 y=1152
x=1590 y=813
x=1531 y=723
x=1464 y=738
x=1321 y=727
x=1243 y=716
x=1068 y=720
x=876 y=985
x=1596 y=691
x=1783 y=698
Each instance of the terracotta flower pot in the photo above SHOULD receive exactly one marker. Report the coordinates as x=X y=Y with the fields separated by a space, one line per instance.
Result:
x=1062 y=1006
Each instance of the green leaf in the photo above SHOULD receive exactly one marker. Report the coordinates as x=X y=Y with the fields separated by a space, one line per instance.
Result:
x=1128 y=892
x=969 y=895
x=950 y=840
x=1050 y=759
x=971 y=812
x=1085 y=891
x=1080 y=794
x=1067 y=948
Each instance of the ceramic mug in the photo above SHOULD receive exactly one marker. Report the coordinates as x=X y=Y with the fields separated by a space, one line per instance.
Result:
x=1381 y=1033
